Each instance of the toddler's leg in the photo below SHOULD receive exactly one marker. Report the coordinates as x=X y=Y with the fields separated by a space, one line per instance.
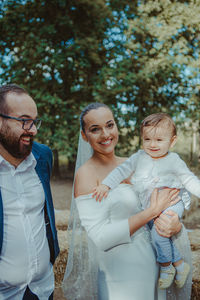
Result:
x=162 y=246
x=182 y=268
x=164 y=257
x=182 y=271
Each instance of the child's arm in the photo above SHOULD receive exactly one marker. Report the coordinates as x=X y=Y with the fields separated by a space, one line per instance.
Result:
x=100 y=192
x=122 y=172
x=187 y=178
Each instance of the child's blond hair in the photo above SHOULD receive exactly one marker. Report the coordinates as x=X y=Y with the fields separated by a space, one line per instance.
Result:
x=156 y=120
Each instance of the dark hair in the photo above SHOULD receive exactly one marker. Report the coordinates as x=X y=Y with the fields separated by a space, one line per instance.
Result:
x=156 y=119
x=4 y=91
x=88 y=108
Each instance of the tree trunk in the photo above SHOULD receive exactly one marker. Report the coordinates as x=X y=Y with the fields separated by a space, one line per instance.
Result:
x=193 y=143
x=56 y=167
x=199 y=147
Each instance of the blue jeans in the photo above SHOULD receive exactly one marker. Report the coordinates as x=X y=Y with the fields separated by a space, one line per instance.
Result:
x=165 y=248
x=28 y=295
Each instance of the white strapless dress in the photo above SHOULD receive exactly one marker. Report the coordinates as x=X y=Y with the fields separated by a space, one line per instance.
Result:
x=127 y=268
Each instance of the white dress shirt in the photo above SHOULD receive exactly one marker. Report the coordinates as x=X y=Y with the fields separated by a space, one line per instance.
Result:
x=25 y=256
x=148 y=173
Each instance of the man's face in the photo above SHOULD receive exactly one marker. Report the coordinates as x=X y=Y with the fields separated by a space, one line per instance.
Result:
x=13 y=138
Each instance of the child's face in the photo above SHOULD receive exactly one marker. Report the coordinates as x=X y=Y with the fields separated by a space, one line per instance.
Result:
x=157 y=140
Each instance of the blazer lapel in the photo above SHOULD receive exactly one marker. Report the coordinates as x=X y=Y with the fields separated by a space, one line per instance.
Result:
x=42 y=171
x=1 y=221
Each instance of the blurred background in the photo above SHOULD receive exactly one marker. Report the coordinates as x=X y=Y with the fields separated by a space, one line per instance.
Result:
x=139 y=57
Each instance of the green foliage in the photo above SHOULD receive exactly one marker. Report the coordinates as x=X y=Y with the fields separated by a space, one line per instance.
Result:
x=55 y=50
x=162 y=41
x=131 y=55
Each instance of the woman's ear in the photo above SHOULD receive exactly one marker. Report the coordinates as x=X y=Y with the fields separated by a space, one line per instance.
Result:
x=173 y=140
x=84 y=136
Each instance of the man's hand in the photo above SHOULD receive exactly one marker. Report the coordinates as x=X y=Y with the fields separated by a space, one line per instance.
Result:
x=100 y=192
x=168 y=224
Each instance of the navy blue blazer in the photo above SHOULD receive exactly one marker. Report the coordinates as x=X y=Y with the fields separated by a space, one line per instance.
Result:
x=43 y=155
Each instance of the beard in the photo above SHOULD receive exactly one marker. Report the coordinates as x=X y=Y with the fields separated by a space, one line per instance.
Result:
x=12 y=145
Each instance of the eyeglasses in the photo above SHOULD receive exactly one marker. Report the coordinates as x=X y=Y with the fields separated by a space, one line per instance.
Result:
x=27 y=124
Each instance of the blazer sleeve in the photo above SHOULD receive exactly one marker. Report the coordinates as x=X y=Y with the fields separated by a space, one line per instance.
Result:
x=50 y=161
x=48 y=156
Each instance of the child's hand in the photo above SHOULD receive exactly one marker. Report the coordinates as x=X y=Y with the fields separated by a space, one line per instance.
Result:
x=127 y=181
x=100 y=192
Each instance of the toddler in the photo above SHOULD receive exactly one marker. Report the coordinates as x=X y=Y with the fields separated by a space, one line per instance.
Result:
x=156 y=167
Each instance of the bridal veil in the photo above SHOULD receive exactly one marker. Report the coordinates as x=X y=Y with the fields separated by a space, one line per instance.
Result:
x=80 y=280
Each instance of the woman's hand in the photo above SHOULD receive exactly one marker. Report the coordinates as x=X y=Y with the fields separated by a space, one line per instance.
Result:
x=168 y=224
x=162 y=199
x=100 y=192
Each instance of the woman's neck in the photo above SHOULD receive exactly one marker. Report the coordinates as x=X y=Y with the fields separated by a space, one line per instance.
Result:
x=108 y=159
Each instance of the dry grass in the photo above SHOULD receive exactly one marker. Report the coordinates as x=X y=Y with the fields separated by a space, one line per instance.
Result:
x=61 y=261
x=195 y=290
x=59 y=267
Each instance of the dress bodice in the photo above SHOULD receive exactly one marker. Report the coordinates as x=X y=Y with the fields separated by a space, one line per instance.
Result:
x=123 y=202
x=106 y=222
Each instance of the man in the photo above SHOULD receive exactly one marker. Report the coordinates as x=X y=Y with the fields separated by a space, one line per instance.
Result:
x=28 y=238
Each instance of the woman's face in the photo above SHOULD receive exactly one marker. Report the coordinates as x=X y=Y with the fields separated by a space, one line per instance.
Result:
x=100 y=130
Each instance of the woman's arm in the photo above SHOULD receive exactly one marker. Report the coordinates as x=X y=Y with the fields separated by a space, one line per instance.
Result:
x=106 y=234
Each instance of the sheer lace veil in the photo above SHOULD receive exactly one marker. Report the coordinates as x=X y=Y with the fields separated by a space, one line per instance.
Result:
x=80 y=278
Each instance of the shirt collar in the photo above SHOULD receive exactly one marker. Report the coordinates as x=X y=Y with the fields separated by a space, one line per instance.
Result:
x=1 y=159
x=29 y=161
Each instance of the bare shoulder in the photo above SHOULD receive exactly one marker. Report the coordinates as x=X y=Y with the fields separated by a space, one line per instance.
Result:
x=85 y=179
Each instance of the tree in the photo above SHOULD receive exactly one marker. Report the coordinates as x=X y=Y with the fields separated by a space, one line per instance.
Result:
x=132 y=55
x=55 y=49
x=149 y=75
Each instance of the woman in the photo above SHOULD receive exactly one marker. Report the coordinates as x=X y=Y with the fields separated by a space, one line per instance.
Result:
x=121 y=257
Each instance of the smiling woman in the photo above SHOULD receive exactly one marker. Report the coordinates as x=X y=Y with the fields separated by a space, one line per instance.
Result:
x=101 y=135
x=120 y=259
x=154 y=167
